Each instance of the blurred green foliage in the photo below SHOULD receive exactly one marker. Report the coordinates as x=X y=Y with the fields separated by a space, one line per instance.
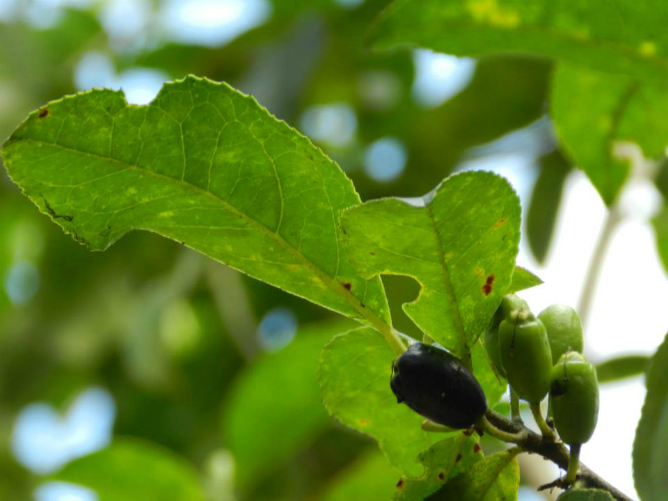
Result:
x=172 y=337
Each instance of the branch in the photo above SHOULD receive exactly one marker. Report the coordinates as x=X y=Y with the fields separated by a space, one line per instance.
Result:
x=554 y=451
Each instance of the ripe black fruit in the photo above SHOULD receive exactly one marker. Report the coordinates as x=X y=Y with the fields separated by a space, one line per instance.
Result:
x=436 y=385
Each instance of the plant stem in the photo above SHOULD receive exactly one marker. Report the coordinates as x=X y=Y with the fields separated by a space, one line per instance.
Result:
x=547 y=432
x=505 y=436
x=549 y=449
x=573 y=464
x=596 y=264
x=515 y=406
x=429 y=425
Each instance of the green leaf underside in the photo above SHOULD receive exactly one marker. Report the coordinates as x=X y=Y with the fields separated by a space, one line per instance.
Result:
x=370 y=478
x=611 y=109
x=628 y=38
x=442 y=461
x=621 y=368
x=660 y=224
x=650 y=455
x=495 y=478
x=281 y=385
x=133 y=469
x=460 y=247
x=523 y=279
x=354 y=374
x=586 y=495
x=204 y=165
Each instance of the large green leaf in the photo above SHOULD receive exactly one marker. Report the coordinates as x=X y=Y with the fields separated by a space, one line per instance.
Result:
x=629 y=37
x=545 y=202
x=493 y=478
x=660 y=224
x=370 y=478
x=650 y=455
x=442 y=461
x=280 y=386
x=133 y=469
x=610 y=109
x=460 y=246
x=204 y=165
x=355 y=372
x=585 y=495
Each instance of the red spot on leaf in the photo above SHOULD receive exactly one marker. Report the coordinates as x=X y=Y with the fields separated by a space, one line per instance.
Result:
x=347 y=285
x=400 y=483
x=44 y=113
x=441 y=476
x=489 y=283
x=476 y=448
x=499 y=223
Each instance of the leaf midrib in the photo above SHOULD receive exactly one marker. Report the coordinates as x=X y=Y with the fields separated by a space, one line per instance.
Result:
x=352 y=300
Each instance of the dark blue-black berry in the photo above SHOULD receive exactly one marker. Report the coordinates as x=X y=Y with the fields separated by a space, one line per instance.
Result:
x=436 y=385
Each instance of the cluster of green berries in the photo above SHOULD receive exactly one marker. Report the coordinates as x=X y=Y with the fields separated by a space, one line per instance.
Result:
x=543 y=355
x=537 y=355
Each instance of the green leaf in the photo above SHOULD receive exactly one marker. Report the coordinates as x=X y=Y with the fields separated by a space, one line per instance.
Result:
x=133 y=469
x=628 y=39
x=260 y=426
x=460 y=246
x=355 y=371
x=610 y=109
x=621 y=368
x=586 y=495
x=650 y=455
x=493 y=478
x=660 y=224
x=545 y=202
x=442 y=461
x=204 y=165
x=370 y=478
x=523 y=279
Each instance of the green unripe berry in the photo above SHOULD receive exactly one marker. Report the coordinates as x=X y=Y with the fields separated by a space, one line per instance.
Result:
x=574 y=398
x=509 y=303
x=525 y=354
x=564 y=329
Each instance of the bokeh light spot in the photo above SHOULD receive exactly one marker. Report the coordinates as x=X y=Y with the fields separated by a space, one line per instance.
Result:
x=333 y=124
x=438 y=77
x=64 y=491
x=277 y=329
x=385 y=159
x=21 y=282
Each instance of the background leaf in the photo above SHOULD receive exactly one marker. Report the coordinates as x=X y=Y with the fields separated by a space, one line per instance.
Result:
x=442 y=461
x=627 y=39
x=586 y=495
x=133 y=469
x=621 y=368
x=660 y=224
x=650 y=455
x=370 y=478
x=275 y=407
x=495 y=477
x=544 y=204
x=460 y=246
x=611 y=108
x=203 y=165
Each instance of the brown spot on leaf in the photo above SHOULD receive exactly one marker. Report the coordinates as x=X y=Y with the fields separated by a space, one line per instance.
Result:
x=372 y=253
x=347 y=285
x=489 y=283
x=44 y=113
x=400 y=483
x=499 y=223
x=476 y=448
x=441 y=475
x=458 y=458
x=363 y=422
